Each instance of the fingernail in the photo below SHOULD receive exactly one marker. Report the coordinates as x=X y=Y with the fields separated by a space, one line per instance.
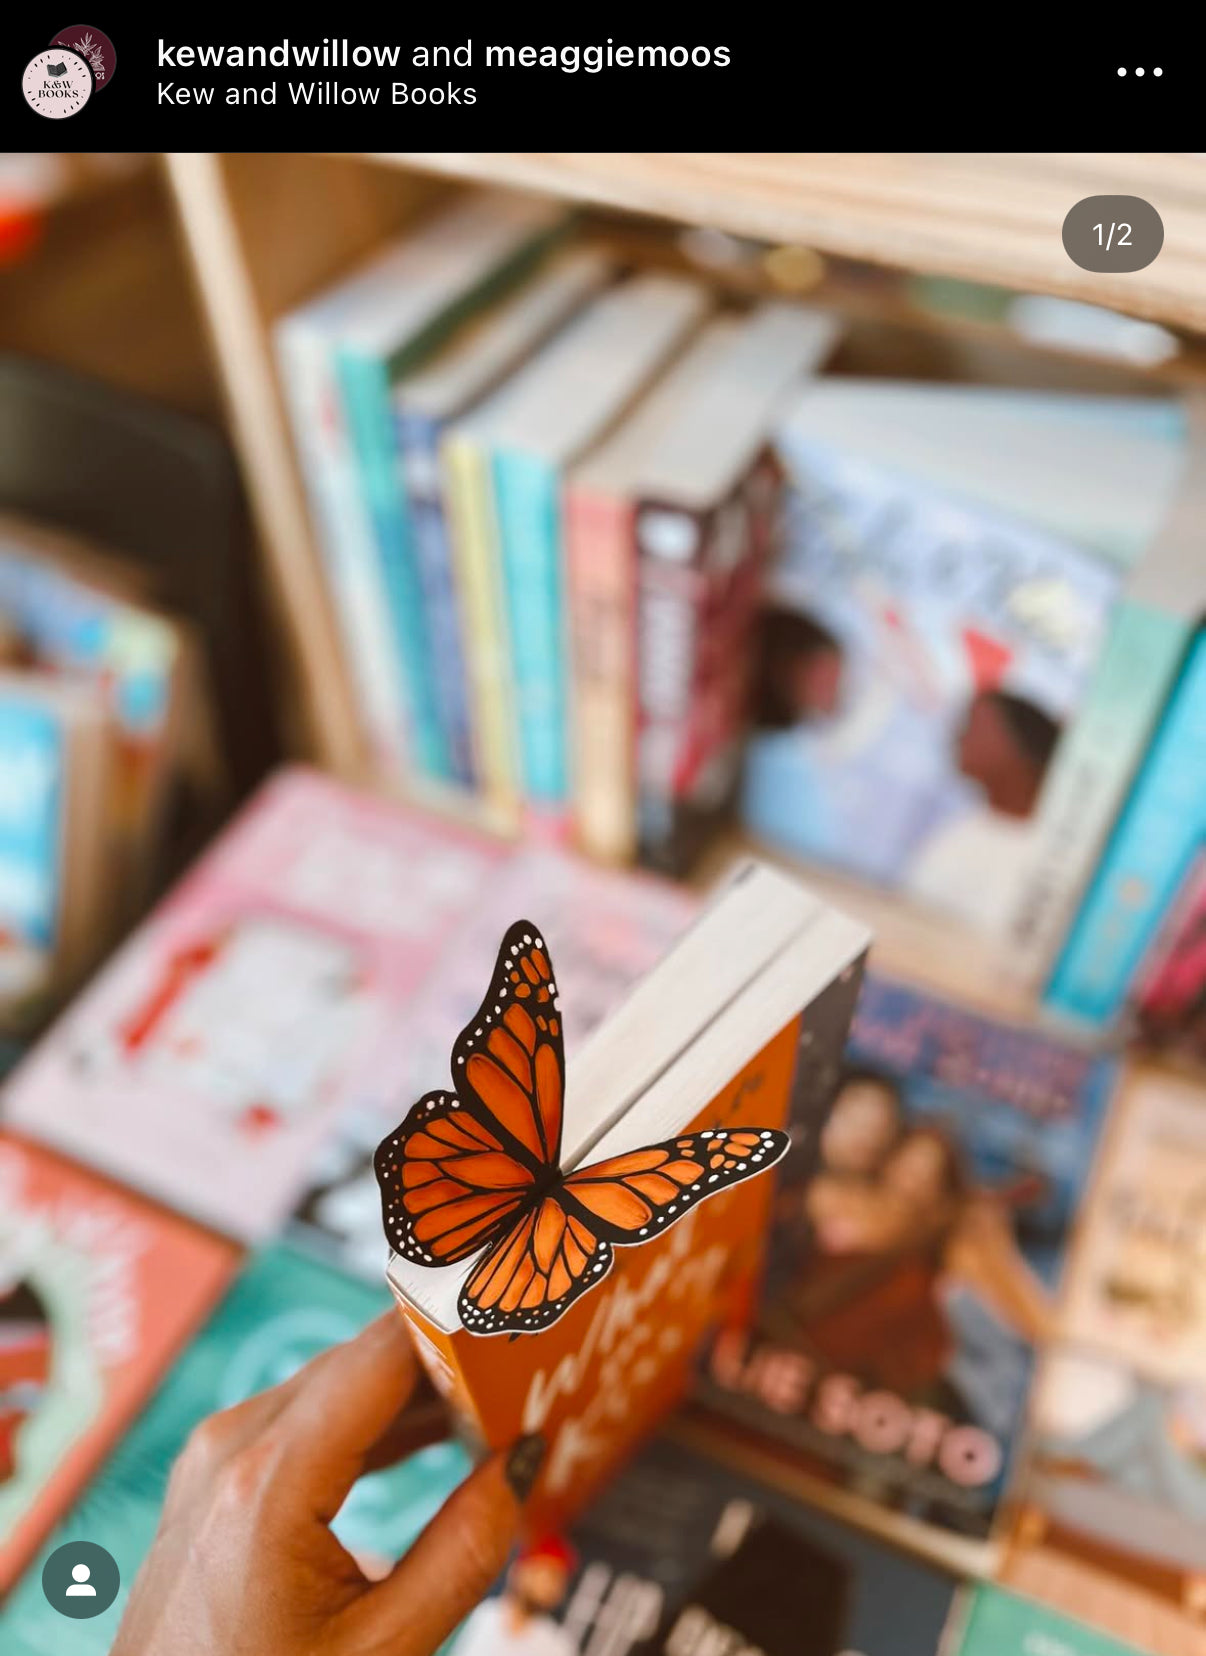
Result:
x=524 y=1463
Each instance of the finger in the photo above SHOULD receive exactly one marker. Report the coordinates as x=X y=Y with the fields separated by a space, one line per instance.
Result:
x=423 y=1421
x=455 y=1561
x=338 y=1406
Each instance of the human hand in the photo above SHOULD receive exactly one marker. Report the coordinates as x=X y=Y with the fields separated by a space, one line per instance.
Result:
x=245 y=1563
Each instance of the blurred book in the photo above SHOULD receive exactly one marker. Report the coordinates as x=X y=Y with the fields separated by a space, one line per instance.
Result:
x=935 y=622
x=1137 y=1287
x=103 y=711
x=87 y=615
x=679 y=1555
x=605 y=929
x=55 y=758
x=339 y=355
x=1150 y=632
x=1116 y=1482
x=209 y=1060
x=281 y=1312
x=708 y=1043
x=917 y=1250
x=707 y=507
x=1168 y=1001
x=97 y=1291
x=990 y=1622
x=509 y=461
x=1098 y=471
x=668 y=527
x=462 y=609
x=1154 y=845
x=602 y=587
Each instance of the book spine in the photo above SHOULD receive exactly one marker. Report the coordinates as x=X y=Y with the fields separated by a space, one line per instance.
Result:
x=419 y=456
x=35 y=786
x=699 y=579
x=438 y=1353
x=1094 y=767
x=600 y=534
x=477 y=573
x=527 y=497
x=670 y=596
x=1145 y=862
x=1171 y=981
x=365 y=393
x=345 y=540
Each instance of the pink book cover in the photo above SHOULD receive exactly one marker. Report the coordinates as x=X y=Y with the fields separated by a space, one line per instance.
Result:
x=207 y=1062
x=1170 y=1001
x=97 y=1292
x=601 y=535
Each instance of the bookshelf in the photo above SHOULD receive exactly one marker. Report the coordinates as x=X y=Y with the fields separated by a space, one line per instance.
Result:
x=986 y=218
x=262 y=231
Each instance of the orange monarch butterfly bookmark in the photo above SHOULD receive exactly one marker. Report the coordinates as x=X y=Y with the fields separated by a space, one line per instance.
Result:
x=477 y=1171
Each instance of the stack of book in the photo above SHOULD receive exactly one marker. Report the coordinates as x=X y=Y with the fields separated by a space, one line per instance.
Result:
x=543 y=496
x=867 y=1454
x=98 y=690
x=201 y=1122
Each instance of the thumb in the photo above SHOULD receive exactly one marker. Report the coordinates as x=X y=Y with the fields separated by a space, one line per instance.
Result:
x=456 y=1559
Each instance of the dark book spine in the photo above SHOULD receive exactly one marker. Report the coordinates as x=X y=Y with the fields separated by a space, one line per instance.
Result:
x=699 y=580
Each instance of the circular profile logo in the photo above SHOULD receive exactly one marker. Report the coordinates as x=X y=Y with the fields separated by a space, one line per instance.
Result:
x=80 y=1579
x=94 y=46
x=56 y=83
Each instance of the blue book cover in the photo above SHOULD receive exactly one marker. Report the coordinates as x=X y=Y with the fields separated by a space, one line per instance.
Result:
x=282 y=1311
x=527 y=491
x=418 y=442
x=365 y=389
x=76 y=628
x=1157 y=836
x=33 y=757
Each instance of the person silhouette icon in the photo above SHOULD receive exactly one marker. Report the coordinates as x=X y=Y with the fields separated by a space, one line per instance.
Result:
x=81 y=1587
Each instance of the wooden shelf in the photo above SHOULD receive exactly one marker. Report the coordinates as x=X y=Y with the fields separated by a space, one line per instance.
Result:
x=263 y=232
x=985 y=217
x=106 y=290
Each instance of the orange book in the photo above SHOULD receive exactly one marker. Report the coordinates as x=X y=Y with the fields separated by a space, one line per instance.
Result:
x=562 y=1241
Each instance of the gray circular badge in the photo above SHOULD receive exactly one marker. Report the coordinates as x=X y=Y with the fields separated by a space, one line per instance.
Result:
x=1116 y=233
x=80 y=1579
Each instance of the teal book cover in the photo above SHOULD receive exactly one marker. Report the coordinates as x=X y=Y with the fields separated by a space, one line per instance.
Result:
x=1149 y=854
x=365 y=389
x=1093 y=771
x=282 y=1311
x=1000 y=1624
x=528 y=501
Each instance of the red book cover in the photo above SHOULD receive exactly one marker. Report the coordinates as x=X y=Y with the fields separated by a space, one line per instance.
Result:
x=97 y=1292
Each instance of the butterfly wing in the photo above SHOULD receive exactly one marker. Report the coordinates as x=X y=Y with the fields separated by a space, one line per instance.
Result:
x=508 y=1063
x=449 y=1185
x=463 y=1168
x=631 y=1198
x=533 y=1274
x=562 y=1247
